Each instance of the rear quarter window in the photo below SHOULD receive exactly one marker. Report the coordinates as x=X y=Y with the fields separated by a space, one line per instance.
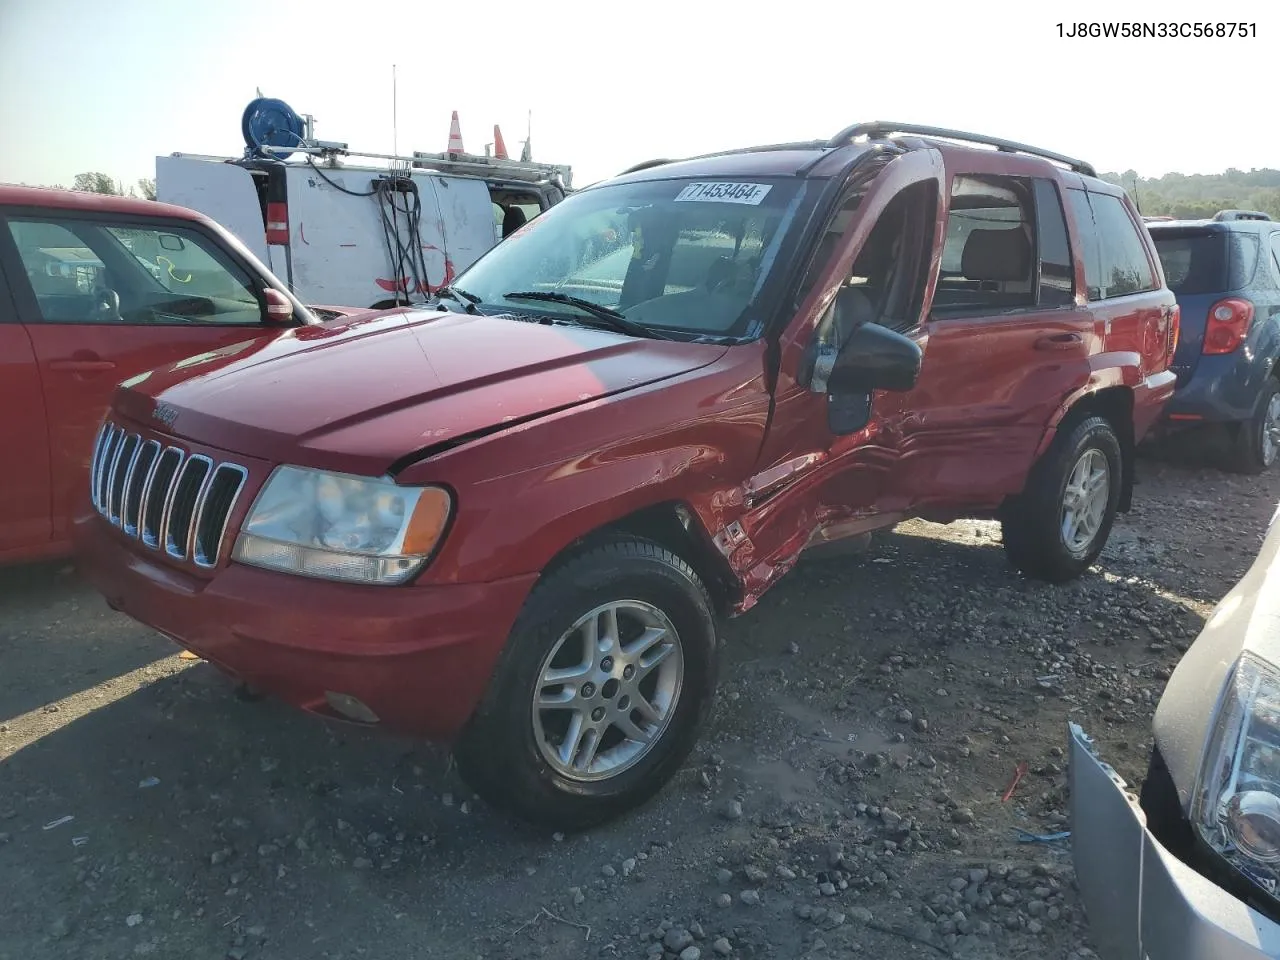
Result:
x=1244 y=259
x=1125 y=267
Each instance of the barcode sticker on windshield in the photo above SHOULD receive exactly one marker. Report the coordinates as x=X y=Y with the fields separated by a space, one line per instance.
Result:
x=749 y=193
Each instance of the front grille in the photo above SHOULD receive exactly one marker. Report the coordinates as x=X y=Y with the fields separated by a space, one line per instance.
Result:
x=162 y=496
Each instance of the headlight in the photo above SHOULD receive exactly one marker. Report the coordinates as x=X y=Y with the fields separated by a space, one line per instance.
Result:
x=1236 y=807
x=342 y=527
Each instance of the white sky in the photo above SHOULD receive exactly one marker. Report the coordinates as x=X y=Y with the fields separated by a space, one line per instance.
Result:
x=109 y=85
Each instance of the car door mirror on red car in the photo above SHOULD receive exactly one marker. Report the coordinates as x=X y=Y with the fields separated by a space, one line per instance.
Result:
x=875 y=358
x=279 y=308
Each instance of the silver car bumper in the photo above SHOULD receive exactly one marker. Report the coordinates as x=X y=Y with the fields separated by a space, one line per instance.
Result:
x=1142 y=902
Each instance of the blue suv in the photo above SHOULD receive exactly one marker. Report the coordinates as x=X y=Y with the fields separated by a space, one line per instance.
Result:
x=1225 y=273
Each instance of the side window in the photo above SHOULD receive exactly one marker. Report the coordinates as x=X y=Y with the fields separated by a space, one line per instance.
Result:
x=1090 y=248
x=1057 y=273
x=989 y=256
x=86 y=271
x=1275 y=255
x=1244 y=259
x=1125 y=267
x=888 y=277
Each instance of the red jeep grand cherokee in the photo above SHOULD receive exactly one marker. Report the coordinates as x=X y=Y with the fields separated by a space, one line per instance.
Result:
x=510 y=521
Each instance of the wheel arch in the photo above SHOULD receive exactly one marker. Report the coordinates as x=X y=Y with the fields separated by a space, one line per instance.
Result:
x=1115 y=405
x=672 y=524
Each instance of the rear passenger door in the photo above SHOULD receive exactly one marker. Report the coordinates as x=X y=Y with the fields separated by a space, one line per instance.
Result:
x=1004 y=342
x=1122 y=285
x=24 y=489
x=104 y=298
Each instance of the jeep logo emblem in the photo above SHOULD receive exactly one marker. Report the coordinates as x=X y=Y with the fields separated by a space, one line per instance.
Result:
x=165 y=413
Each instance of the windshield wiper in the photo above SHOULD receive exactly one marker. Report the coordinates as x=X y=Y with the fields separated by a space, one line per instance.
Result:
x=468 y=300
x=607 y=315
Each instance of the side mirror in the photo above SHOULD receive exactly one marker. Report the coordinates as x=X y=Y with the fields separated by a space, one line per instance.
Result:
x=279 y=307
x=875 y=358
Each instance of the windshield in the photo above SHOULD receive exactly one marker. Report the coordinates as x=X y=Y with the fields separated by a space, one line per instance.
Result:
x=671 y=255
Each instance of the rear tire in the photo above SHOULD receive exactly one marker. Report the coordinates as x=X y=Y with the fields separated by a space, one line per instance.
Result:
x=619 y=622
x=1256 y=445
x=1056 y=528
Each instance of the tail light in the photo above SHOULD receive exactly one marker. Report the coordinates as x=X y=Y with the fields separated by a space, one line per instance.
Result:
x=278 y=224
x=1227 y=326
x=1175 y=329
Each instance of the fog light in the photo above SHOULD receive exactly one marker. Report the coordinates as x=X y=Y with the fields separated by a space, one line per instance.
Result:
x=1253 y=820
x=350 y=707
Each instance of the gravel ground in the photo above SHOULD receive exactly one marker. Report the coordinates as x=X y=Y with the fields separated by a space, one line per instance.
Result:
x=845 y=800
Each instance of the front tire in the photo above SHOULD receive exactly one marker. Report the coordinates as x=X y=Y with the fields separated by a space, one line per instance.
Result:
x=606 y=679
x=1257 y=441
x=1056 y=528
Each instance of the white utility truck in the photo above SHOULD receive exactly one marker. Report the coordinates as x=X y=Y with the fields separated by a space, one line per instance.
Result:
x=354 y=235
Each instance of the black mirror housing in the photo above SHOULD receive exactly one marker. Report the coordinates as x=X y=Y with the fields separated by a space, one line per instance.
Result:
x=875 y=358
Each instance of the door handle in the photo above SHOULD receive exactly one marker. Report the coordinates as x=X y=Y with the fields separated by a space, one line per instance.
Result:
x=1059 y=341
x=82 y=366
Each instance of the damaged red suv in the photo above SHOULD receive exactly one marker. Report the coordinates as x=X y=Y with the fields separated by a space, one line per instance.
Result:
x=510 y=521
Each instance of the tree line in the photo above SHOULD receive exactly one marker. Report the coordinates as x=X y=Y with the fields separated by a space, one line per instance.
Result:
x=1201 y=195
x=95 y=182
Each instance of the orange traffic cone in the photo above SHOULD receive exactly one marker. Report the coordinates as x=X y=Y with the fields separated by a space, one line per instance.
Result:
x=499 y=147
x=455 y=135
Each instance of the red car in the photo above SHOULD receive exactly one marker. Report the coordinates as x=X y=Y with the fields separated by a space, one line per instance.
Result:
x=512 y=520
x=95 y=289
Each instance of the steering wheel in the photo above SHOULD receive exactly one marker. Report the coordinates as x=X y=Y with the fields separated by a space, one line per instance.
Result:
x=106 y=305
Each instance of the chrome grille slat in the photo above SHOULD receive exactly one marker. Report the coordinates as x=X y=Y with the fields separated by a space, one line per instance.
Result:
x=109 y=446
x=155 y=498
x=138 y=480
x=125 y=456
x=160 y=495
x=95 y=464
x=187 y=490
x=209 y=530
x=166 y=498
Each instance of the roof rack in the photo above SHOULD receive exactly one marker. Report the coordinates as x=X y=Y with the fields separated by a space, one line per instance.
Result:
x=762 y=148
x=878 y=129
x=1222 y=215
x=645 y=165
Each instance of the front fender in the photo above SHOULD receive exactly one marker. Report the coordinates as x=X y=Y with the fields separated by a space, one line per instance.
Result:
x=525 y=495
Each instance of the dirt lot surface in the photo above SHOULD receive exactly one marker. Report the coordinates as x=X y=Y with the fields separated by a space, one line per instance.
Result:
x=846 y=800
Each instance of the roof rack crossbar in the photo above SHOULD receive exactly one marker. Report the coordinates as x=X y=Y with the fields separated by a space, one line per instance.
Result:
x=880 y=128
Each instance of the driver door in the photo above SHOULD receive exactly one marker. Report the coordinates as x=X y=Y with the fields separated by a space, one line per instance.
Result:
x=103 y=299
x=824 y=471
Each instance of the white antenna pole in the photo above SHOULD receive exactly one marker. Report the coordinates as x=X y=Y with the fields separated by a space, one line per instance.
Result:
x=395 y=142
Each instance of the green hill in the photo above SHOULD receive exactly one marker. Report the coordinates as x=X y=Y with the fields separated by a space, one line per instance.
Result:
x=1203 y=194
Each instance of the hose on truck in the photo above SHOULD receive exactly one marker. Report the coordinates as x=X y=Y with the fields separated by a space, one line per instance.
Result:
x=404 y=251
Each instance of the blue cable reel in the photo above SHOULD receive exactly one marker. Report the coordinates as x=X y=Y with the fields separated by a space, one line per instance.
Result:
x=268 y=122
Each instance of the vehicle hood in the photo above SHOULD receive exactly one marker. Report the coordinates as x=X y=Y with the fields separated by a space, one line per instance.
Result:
x=361 y=393
x=1247 y=619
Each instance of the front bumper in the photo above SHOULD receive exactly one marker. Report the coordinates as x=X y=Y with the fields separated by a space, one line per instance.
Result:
x=420 y=657
x=1143 y=903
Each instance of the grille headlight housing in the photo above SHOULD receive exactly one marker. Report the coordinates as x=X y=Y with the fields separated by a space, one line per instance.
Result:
x=342 y=527
x=1236 y=806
